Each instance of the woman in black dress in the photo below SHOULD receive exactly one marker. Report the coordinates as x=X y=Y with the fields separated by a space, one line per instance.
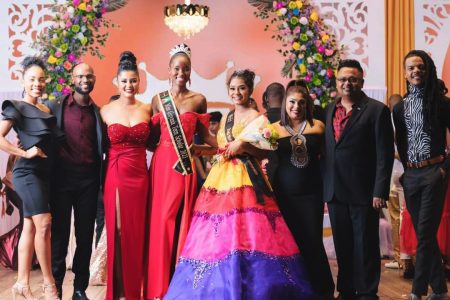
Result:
x=297 y=182
x=38 y=134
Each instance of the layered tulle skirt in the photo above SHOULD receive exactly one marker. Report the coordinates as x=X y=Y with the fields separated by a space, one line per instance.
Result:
x=237 y=247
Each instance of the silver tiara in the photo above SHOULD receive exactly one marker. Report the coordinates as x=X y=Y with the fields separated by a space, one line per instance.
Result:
x=180 y=48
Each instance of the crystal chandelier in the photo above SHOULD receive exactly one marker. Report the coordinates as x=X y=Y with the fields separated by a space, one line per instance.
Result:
x=186 y=19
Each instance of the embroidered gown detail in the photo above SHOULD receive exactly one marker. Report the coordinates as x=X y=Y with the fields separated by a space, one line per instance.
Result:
x=126 y=183
x=238 y=248
x=172 y=200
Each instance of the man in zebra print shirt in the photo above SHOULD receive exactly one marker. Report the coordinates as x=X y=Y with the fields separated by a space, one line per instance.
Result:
x=421 y=121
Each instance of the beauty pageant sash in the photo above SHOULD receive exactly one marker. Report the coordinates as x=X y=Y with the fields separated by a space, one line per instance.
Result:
x=183 y=165
x=252 y=165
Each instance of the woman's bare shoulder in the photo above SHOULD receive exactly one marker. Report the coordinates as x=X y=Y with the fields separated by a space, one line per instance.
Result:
x=318 y=127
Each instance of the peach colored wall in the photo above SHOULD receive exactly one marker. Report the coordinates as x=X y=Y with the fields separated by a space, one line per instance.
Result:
x=233 y=33
x=446 y=69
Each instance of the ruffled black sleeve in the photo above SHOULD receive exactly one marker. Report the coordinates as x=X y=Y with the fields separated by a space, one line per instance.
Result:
x=11 y=113
x=31 y=124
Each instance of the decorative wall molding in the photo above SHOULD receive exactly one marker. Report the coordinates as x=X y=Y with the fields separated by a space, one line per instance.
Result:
x=359 y=25
x=432 y=21
x=25 y=21
x=21 y=21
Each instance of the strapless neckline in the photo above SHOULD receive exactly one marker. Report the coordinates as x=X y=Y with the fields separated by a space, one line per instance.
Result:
x=128 y=126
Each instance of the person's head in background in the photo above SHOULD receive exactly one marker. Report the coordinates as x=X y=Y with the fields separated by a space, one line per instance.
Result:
x=394 y=100
x=273 y=95
x=214 y=122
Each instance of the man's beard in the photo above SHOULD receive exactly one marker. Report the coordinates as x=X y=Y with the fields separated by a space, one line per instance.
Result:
x=83 y=92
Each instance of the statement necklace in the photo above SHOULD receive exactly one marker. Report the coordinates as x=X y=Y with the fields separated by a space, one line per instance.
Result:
x=299 y=156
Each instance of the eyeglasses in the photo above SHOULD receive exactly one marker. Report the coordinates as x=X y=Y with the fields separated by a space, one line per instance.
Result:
x=88 y=77
x=349 y=79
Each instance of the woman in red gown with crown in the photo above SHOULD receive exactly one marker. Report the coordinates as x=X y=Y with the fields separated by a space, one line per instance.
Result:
x=172 y=194
x=126 y=184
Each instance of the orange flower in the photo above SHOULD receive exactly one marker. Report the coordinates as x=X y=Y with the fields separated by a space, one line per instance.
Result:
x=67 y=65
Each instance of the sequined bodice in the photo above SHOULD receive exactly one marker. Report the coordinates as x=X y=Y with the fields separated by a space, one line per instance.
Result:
x=134 y=136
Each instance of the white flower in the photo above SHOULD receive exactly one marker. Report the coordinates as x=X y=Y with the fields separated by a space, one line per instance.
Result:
x=309 y=33
x=310 y=60
x=303 y=21
x=70 y=10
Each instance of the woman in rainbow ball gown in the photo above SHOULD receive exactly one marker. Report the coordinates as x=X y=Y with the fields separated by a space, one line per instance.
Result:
x=238 y=245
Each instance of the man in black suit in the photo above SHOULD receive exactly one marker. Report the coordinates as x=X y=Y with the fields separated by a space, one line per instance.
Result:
x=421 y=121
x=359 y=153
x=77 y=179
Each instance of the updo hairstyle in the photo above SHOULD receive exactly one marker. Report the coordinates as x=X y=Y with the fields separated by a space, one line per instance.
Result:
x=247 y=75
x=127 y=62
x=31 y=61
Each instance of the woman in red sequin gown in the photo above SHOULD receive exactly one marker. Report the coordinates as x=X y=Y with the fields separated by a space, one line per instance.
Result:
x=172 y=194
x=126 y=184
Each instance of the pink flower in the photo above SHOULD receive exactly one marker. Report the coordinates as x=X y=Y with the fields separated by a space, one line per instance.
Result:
x=71 y=57
x=307 y=78
x=266 y=133
x=66 y=90
x=61 y=80
x=333 y=94
x=313 y=96
x=330 y=73
x=96 y=23
x=329 y=52
x=58 y=54
x=65 y=16
x=279 y=5
x=321 y=49
x=317 y=43
x=88 y=8
x=296 y=30
x=76 y=2
x=68 y=24
x=84 y=19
